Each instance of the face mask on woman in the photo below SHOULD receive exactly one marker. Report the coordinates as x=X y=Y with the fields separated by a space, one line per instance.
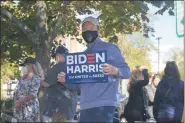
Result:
x=24 y=70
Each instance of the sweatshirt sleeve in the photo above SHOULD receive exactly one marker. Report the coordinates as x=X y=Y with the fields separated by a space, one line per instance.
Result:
x=150 y=93
x=141 y=83
x=116 y=59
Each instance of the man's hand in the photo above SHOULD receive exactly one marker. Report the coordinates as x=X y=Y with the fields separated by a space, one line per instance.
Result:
x=110 y=70
x=61 y=77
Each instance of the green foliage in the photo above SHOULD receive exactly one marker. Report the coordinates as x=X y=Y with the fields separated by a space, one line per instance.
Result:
x=9 y=71
x=177 y=55
x=7 y=105
x=116 y=17
x=133 y=55
x=14 y=44
x=161 y=73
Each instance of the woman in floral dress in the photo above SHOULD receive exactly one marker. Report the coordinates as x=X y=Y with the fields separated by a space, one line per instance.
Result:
x=26 y=100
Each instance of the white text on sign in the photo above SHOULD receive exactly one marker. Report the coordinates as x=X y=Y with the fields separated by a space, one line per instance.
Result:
x=85 y=63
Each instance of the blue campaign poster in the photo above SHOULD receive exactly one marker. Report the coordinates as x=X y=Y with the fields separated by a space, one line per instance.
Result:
x=85 y=67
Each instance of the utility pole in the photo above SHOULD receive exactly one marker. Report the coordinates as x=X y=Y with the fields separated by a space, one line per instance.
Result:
x=158 y=39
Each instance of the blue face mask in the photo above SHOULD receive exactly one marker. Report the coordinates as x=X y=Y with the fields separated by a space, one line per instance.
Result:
x=90 y=36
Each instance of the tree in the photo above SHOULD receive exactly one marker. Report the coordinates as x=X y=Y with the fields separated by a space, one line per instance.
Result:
x=42 y=21
x=134 y=54
x=178 y=57
x=8 y=70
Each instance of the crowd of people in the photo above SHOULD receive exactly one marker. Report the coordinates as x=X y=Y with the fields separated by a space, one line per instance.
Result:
x=153 y=99
x=149 y=99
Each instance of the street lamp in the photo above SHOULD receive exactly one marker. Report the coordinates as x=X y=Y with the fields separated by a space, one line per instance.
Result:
x=158 y=39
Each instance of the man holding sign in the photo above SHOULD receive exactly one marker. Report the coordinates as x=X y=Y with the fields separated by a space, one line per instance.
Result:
x=98 y=100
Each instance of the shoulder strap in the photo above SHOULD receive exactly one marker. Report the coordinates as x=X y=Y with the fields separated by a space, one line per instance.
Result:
x=166 y=93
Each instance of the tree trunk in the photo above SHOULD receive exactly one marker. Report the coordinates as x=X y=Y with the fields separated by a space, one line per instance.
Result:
x=43 y=51
x=43 y=56
x=41 y=38
x=43 y=47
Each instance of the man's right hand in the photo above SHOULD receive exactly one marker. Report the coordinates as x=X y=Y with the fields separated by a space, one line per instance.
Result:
x=61 y=77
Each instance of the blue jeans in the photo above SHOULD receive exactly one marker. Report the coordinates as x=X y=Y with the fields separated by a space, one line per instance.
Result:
x=97 y=114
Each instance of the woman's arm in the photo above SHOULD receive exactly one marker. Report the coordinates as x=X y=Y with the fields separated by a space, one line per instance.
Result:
x=25 y=99
x=44 y=84
x=141 y=83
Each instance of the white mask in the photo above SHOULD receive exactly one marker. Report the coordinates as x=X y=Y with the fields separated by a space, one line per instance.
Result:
x=24 y=70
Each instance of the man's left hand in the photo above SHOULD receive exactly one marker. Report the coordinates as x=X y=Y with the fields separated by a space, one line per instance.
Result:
x=110 y=70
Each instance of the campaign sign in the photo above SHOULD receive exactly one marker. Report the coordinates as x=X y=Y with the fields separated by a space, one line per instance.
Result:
x=85 y=67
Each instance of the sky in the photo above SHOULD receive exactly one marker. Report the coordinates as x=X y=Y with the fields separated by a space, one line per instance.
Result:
x=165 y=27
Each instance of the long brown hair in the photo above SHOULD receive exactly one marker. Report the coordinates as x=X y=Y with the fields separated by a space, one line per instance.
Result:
x=37 y=69
x=136 y=75
x=153 y=79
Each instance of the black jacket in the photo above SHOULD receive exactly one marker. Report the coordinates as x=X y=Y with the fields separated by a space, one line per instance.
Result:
x=174 y=98
x=58 y=97
x=134 y=109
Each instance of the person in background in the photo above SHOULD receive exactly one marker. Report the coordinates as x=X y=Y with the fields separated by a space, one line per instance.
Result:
x=155 y=81
x=151 y=75
x=60 y=101
x=98 y=100
x=151 y=89
x=25 y=96
x=169 y=97
x=134 y=110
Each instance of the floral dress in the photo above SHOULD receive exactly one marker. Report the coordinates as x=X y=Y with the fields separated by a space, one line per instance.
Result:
x=30 y=109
